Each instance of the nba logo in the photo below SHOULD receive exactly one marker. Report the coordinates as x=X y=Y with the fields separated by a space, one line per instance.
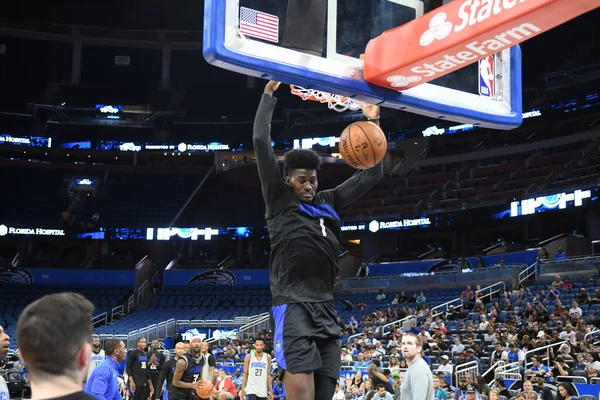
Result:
x=487 y=77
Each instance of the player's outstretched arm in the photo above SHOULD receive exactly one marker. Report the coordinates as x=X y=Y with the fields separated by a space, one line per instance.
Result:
x=268 y=169
x=353 y=188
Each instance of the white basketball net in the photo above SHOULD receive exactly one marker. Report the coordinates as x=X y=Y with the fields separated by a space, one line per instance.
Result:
x=334 y=101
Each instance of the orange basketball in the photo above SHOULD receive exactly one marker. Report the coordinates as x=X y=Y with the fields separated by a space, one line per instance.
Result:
x=205 y=389
x=362 y=145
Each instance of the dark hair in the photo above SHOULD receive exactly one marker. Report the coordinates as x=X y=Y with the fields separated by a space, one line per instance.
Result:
x=380 y=385
x=51 y=332
x=111 y=345
x=300 y=159
x=569 y=388
x=259 y=338
x=141 y=338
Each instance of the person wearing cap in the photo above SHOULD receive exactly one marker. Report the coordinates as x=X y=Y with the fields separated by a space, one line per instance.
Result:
x=471 y=393
x=418 y=382
x=560 y=367
x=471 y=357
x=445 y=366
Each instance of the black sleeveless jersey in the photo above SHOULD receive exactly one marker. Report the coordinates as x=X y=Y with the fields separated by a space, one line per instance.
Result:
x=305 y=236
x=192 y=373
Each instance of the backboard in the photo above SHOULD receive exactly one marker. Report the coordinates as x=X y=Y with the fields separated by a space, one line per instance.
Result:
x=326 y=44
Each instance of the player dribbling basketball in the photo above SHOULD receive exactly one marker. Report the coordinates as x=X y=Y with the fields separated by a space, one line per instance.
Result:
x=188 y=372
x=305 y=235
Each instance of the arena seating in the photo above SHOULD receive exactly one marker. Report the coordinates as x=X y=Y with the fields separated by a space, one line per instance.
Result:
x=14 y=299
x=452 y=185
x=133 y=200
x=26 y=206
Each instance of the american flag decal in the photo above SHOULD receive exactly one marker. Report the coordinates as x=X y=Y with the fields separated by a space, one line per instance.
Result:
x=259 y=24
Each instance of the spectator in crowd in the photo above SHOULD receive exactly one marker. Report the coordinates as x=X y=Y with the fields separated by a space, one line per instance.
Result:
x=565 y=391
x=544 y=392
x=225 y=389
x=538 y=368
x=502 y=390
x=279 y=390
x=445 y=366
x=560 y=254
x=53 y=334
x=363 y=270
x=382 y=394
x=561 y=368
x=438 y=392
x=338 y=394
x=237 y=379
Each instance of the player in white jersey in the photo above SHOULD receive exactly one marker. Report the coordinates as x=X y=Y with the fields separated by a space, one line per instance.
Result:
x=97 y=355
x=257 y=382
x=208 y=369
x=4 y=347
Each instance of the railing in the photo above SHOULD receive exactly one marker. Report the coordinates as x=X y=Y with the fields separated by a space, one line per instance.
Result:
x=118 y=311
x=493 y=368
x=471 y=367
x=493 y=247
x=446 y=306
x=142 y=291
x=253 y=326
x=528 y=272
x=130 y=303
x=588 y=336
x=100 y=320
x=508 y=371
x=219 y=265
x=399 y=323
x=490 y=290
x=537 y=350
x=151 y=332
x=552 y=239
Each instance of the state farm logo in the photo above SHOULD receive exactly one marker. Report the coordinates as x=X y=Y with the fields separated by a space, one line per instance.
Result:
x=470 y=13
x=402 y=81
x=439 y=29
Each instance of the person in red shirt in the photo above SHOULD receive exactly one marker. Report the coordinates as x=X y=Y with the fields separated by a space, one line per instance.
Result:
x=225 y=389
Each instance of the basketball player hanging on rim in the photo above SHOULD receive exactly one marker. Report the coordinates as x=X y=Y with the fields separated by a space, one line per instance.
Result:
x=305 y=241
x=188 y=372
x=257 y=381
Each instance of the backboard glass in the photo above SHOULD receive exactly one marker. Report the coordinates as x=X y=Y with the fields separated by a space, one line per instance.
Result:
x=320 y=44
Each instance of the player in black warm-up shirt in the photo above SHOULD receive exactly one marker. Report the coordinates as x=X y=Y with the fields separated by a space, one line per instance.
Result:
x=137 y=370
x=305 y=241
x=156 y=360
x=188 y=372
x=167 y=371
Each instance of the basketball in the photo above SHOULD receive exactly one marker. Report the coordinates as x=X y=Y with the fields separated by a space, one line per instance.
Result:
x=205 y=389
x=362 y=145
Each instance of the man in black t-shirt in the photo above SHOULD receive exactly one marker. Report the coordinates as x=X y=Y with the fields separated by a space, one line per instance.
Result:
x=305 y=232
x=138 y=371
x=167 y=372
